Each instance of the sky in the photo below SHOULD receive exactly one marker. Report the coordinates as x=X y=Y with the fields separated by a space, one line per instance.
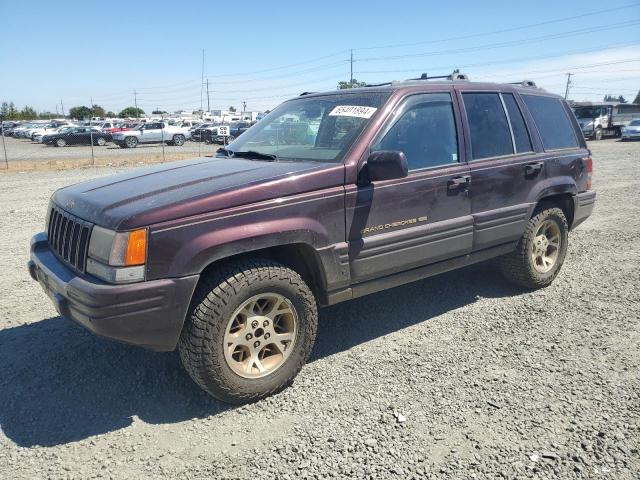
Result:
x=67 y=53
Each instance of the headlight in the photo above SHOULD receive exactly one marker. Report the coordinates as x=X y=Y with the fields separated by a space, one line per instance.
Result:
x=117 y=257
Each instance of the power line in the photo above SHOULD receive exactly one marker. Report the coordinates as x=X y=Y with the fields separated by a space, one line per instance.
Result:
x=495 y=32
x=554 y=36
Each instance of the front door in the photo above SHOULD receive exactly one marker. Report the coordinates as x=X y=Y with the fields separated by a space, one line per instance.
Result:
x=396 y=225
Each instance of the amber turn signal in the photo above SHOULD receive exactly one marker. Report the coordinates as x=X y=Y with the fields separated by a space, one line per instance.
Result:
x=136 y=247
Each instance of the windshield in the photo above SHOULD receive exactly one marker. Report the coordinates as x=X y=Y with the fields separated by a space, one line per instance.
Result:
x=313 y=128
x=635 y=123
x=589 y=112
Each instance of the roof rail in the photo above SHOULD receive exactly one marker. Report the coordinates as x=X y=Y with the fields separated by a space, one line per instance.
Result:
x=451 y=76
x=525 y=83
x=306 y=93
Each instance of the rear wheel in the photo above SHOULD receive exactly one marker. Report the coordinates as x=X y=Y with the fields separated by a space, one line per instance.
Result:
x=250 y=330
x=540 y=252
x=131 y=142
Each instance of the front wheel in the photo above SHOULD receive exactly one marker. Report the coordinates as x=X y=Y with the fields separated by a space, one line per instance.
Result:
x=597 y=135
x=540 y=252
x=101 y=141
x=178 y=140
x=61 y=142
x=131 y=142
x=250 y=330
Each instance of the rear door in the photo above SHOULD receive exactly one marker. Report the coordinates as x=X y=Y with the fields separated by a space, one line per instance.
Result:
x=399 y=224
x=504 y=166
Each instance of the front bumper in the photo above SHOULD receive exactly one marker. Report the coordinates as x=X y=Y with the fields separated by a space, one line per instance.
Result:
x=148 y=314
x=583 y=204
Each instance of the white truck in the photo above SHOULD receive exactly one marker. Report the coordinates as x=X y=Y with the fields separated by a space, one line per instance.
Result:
x=152 y=132
x=604 y=119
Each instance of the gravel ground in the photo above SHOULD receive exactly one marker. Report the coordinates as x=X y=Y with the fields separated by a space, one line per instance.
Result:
x=457 y=376
x=24 y=154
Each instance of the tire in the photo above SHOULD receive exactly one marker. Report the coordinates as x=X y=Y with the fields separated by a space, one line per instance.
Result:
x=229 y=139
x=131 y=142
x=597 y=135
x=178 y=140
x=101 y=141
x=61 y=142
x=217 y=309
x=522 y=267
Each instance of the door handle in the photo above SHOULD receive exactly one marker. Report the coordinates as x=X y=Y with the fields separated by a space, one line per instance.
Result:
x=458 y=182
x=533 y=169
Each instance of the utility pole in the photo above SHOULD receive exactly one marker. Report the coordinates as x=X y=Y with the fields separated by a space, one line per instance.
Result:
x=208 y=100
x=244 y=106
x=566 y=90
x=135 y=102
x=351 y=64
x=93 y=161
x=62 y=106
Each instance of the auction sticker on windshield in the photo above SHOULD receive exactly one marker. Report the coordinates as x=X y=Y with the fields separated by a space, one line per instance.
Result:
x=352 y=111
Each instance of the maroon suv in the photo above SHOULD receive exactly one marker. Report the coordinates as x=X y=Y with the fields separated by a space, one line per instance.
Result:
x=330 y=197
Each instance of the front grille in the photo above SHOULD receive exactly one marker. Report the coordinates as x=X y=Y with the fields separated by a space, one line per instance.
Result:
x=69 y=237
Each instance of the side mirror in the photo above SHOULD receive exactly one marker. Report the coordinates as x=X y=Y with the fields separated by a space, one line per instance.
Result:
x=385 y=165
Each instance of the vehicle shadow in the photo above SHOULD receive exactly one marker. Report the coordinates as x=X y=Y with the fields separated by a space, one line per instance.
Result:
x=60 y=383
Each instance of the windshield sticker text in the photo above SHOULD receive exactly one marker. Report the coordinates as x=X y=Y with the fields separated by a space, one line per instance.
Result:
x=352 y=111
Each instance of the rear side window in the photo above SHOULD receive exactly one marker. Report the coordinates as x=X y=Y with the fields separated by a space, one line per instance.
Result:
x=490 y=135
x=552 y=121
x=518 y=127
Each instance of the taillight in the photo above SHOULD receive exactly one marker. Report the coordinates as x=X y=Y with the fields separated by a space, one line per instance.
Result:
x=588 y=163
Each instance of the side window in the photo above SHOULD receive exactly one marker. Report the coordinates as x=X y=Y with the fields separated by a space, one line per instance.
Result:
x=518 y=127
x=552 y=121
x=490 y=135
x=425 y=131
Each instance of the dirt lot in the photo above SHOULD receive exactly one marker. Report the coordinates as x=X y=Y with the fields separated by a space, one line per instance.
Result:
x=26 y=155
x=457 y=376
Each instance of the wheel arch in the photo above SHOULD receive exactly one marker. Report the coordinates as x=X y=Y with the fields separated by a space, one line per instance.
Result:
x=563 y=201
x=299 y=256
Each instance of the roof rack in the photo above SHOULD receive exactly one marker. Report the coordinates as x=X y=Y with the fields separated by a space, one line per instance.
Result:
x=451 y=76
x=525 y=83
x=306 y=93
x=424 y=76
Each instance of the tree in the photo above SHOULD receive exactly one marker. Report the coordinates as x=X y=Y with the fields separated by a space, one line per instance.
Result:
x=637 y=99
x=98 y=111
x=158 y=112
x=131 y=112
x=232 y=109
x=80 y=112
x=621 y=99
x=28 y=113
x=110 y=114
x=354 y=84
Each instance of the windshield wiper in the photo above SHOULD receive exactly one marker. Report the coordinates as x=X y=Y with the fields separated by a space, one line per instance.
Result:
x=249 y=154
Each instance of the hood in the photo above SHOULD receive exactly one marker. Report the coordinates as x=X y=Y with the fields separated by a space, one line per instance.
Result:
x=159 y=193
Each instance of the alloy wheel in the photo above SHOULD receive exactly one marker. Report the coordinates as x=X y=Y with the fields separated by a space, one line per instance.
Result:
x=260 y=335
x=546 y=246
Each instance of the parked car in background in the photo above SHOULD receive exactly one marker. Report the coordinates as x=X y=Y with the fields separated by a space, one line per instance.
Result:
x=121 y=127
x=238 y=128
x=40 y=137
x=152 y=132
x=601 y=119
x=47 y=129
x=203 y=132
x=631 y=131
x=78 y=136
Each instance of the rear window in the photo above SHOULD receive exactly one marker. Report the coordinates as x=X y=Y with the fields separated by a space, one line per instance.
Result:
x=552 y=121
x=490 y=134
